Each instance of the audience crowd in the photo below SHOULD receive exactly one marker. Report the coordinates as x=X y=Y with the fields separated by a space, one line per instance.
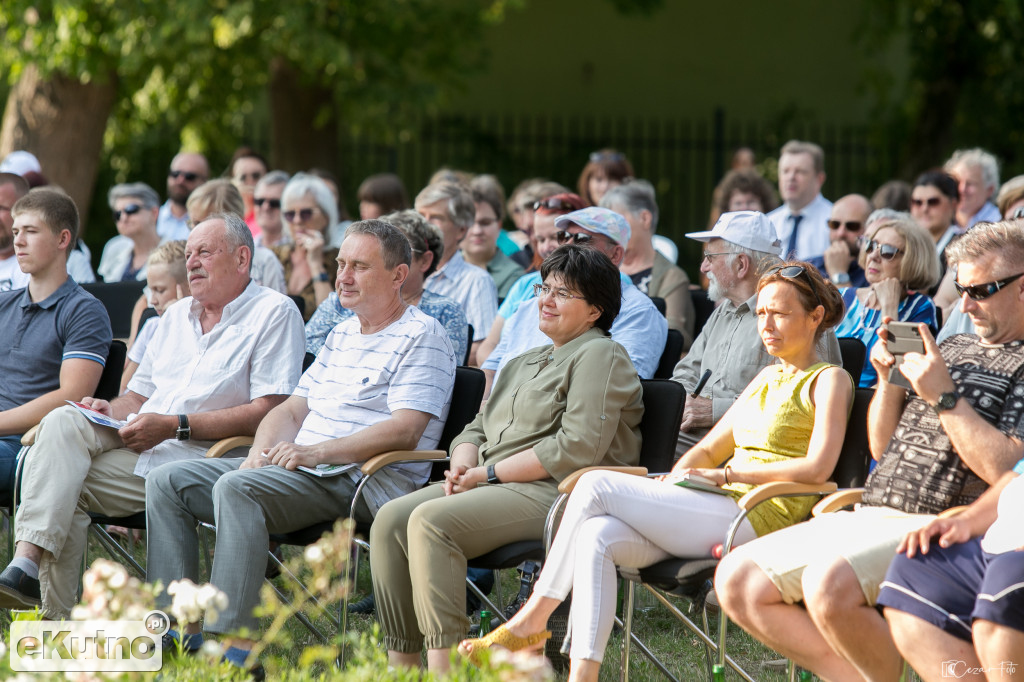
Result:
x=266 y=313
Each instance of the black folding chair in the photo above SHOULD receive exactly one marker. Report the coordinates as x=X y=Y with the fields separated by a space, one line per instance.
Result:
x=119 y=299
x=670 y=356
x=691 y=578
x=853 y=353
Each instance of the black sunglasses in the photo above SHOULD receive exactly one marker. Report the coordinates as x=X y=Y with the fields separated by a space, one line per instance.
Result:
x=553 y=205
x=129 y=209
x=979 y=292
x=850 y=225
x=188 y=175
x=931 y=201
x=795 y=272
x=564 y=237
x=304 y=214
x=271 y=203
x=885 y=251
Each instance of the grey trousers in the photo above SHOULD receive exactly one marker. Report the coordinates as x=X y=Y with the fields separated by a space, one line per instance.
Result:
x=245 y=505
x=419 y=544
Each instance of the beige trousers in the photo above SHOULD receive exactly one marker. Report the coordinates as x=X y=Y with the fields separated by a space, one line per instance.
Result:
x=74 y=468
x=419 y=544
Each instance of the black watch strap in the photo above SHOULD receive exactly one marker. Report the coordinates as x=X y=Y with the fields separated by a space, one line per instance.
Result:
x=184 y=431
x=492 y=476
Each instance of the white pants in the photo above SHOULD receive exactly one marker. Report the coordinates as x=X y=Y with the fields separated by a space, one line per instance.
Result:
x=614 y=519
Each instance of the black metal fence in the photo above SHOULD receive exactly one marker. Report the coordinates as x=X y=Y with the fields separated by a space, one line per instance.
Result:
x=683 y=158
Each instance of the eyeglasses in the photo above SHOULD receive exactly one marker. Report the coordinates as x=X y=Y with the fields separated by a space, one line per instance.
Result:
x=565 y=237
x=553 y=205
x=303 y=214
x=795 y=272
x=850 y=225
x=1019 y=213
x=129 y=209
x=561 y=295
x=188 y=175
x=707 y=256
x=272 y=204
x=931 y=201
x=885 y=251
x=979 y=292
x=250 y=177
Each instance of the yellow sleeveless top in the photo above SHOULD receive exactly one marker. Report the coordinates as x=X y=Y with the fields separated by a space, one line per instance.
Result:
x=774 y=420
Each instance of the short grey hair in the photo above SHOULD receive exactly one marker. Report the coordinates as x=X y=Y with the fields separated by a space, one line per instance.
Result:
x=1005 y=238
x=634 y=196
x=760 y=260
x=274 y=177
x=145 y=194
x=885 y=214
x=236 y=232
x=394 y=246
x=305 y=184
x=978 y=158
x=461 y=209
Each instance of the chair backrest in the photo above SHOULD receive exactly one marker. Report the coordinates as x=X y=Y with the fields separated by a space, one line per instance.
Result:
x=466 y=397
x=702 y=309
x=119 y=299
x=853 y=352
x=854 y=457
x=659 y=303
x=300 y=303
x=469 y=344
x=663 y=410
x=110 y=381
x=307 y=360
x=670 y=356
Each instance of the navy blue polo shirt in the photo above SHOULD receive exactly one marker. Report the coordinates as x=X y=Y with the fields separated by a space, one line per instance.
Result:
x=36 y=337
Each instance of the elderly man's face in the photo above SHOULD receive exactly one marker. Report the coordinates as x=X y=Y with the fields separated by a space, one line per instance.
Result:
x=973 y=191
x=437 y=214
x=216 y=273
x=365 y=284
x=8 y=196
x=187 y=172
x=848 y=220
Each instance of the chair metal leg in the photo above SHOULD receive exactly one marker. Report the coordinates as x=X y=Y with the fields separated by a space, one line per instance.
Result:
x=114 y=548
x=627 y=628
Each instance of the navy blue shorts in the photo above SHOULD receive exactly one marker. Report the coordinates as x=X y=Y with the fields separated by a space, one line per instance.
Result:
x=951 y=587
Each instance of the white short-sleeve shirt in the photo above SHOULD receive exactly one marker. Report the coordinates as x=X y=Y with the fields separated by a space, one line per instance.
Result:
x=359 y=379
x=255 y=350
x=472 y=288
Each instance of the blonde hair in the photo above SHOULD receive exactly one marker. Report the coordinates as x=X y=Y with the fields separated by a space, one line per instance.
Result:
x=919 y=269
x=171 y=254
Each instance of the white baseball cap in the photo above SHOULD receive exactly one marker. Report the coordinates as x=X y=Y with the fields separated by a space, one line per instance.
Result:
x=750 y=229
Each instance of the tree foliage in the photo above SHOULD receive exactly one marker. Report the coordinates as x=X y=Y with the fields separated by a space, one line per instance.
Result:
x=965 y=86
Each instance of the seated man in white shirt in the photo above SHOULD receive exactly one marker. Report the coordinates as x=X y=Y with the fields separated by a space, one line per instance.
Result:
x=383 y=381
x=450 y=207
x=219 y=362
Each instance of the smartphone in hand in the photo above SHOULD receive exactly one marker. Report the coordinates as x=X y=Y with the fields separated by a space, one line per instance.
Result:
x=904 y=337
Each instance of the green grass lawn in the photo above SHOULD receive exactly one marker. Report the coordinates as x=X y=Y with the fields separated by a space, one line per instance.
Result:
x=679 y=649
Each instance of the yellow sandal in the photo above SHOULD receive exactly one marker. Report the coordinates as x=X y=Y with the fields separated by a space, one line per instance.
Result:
x=503 y=637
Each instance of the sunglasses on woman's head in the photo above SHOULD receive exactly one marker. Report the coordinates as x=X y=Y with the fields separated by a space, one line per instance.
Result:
x=553 y=205
x=795 y=272
x=129 y=209
x=885 y=251
x=979 y=292
x=303 y=214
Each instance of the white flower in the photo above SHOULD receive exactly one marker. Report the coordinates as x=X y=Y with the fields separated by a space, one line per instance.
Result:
x=314 y=554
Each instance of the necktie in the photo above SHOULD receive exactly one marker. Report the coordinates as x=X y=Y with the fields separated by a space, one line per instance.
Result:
x=791 y=247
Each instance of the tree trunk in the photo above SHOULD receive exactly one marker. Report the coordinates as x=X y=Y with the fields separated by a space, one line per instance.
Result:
x=304 y=127
x=61 y=120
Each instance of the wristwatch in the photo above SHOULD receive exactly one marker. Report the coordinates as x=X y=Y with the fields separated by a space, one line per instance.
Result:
x=947 y=401
x=492 y=475
x=323 y=277
x=841 y=278
x=184 y=431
